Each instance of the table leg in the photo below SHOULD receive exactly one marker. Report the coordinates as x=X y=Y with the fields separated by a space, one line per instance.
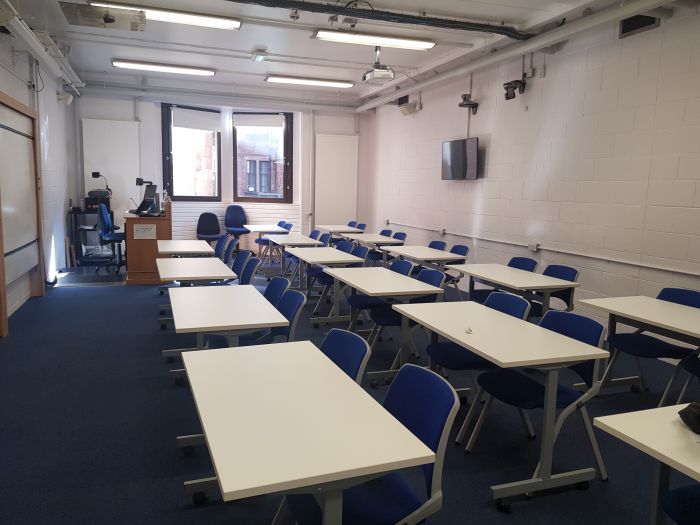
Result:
x=546 y=297
x=471 y=288
x=661 y=475
x=405 y=348
x=334 y=315
x=607 y=380
x=548 y=421
x=332 y=507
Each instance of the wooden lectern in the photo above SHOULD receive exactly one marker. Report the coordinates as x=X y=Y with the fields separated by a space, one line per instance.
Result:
x=142 y=236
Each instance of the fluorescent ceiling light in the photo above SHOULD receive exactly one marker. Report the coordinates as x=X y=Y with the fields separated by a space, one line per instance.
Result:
x=281 y=79
x=372 y=40
x=176 y=17
x=163 y=68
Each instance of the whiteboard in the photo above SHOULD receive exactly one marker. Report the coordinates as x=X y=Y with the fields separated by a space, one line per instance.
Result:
x=335 y=180
x=17 y=189
x=112 y=148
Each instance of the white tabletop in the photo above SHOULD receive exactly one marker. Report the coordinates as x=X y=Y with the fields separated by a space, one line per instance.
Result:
x=262 y=442
x=185 y=247
x=423 y=253
x=193 y=269
x=338 y=228
x=502 y=339
x=293 y=239
x=373 y=238
x=381 y=282
x=664 y=314
x=513 y=278
x=265 y=228
x=660 y=433
x=324 y=255
x=222 y=308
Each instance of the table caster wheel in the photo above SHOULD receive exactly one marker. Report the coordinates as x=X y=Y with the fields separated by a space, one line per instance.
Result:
x=180 y=381
x=188 y=451
x=163 y=326
x=199 y=499
x=170 y=359
x=503 y=505
x=582 y=485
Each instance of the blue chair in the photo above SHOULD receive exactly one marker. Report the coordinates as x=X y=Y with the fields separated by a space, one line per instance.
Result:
x=558 y=271
x=385 y=233
x=275 y=290
x=345 y=246
x=108 y=234
x=325 y=239
x=228 y=252
x=451 y=356
x=520 y=391
x=640 y=345
x=426 y=405
x=437 y=245
x=288 y=226
x=290 y=306
x=208 y=227
x=401 y=236
x=349 y=351
x=690 y=364
x=361 y=302
x=264 y=244
x=457 y=249
x=520 y=263
x=234 y=219
x=220 y=245
x=312 y=272
x=361 y=226
x=239 y=261
x=352 y=224
x=362 y=252
x=682 y=505
x=314 y=234
x=251 y=266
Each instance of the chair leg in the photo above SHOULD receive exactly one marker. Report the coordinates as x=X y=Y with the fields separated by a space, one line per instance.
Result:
x=324 y=294
x=594 y=443
x=479 y=424
x=353 y=320
x=642 y=382
x=468 y=418
x=684 y=389
x=376 y=332
x=284 y=515
x=527 y=422
x=667 y=390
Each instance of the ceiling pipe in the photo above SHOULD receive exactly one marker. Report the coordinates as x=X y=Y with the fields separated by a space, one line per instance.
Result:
x=392 y=17
x=612 y=14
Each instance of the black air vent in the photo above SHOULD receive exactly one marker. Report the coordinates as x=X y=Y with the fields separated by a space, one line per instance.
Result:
x=636 y=24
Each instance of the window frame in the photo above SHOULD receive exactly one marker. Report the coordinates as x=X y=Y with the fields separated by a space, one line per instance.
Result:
x=167 y=142
x=288 y=173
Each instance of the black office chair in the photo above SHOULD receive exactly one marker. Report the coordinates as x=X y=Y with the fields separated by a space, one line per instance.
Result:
x=234 y=220
x=108 y=235
x=208 y=227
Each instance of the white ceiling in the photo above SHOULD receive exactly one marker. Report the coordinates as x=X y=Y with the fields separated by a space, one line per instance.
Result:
x=291 y=49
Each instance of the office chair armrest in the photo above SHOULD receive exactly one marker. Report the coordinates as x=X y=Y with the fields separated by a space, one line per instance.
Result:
x=114 y=228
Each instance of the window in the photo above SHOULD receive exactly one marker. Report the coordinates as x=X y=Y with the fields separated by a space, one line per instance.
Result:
x=191 y=153
x=263 y=157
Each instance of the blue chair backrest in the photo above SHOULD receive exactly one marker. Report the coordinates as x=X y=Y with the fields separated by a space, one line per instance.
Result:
x=352 y=224
x=235 y=216
x=425 y=404
x=460 y=249
x=287 y=226
x=208 y=223
x=401 y=266
x=433 y=278
x=105 y=220
x=680 y=296
x=347 y=350
x=281 y=224
x=523 y=263
x=360 y=251
x=220 y=245
x=437 y=245
x=400 y=236
x=385 y=233
x=290 y=307
x=361 y=226
x=325 y=238
x=251 y=266
x=229 y=250
x=344 y=246
x=577 y=327
x=239 y=261
x=567 y=273
x=275 y=289
x=314 y=234
x=508 y=303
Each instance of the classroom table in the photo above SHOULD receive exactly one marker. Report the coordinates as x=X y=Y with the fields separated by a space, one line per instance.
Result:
x=228 y=310
x=338 y=228
x=288 y=241
x=185 y=248
x=424 y=255
x=305 y=442
x=661 y=434
x=514 y=280
x=509 y=342
x=649 y=314
x=373 y=239
x=265 y=229
x=194 y=270
x=323 y=255
x=375 y=282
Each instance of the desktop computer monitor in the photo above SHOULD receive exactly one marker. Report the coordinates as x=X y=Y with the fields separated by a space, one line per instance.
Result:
x=149 y=199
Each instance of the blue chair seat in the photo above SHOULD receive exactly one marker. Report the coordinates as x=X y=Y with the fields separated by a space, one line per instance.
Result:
x=314 y=271
x=385 y=315
x=454 y=357
x=237 y=230
x=113 y=237
x=520 y=391
x=208 y=236
x=364 y=302
x=642 y=345
x=683 y=505
x=383 y=501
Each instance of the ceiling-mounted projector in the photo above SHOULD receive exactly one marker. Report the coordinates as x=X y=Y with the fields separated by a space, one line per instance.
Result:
x=378 y=71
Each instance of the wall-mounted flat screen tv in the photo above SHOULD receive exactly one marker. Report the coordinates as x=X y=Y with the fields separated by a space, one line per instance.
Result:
x=460 y=159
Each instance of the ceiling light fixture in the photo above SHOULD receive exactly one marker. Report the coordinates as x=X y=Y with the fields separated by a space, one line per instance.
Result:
x=372 y=40
x=319 y=82
x=163 y=68
x=177 y=17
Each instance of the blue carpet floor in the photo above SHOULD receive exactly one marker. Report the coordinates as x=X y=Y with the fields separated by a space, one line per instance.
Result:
x=89 y=416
